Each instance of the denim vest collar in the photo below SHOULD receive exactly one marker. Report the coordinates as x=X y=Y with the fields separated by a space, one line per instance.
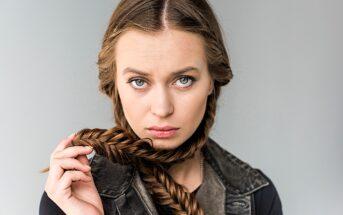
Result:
x=239 y=179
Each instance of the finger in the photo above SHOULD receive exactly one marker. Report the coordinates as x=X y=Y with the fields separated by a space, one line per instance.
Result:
x=72 y=164
x=59 y=166
x=73 y=152
x=71 y=176
x=64 y=143
x=83 y=159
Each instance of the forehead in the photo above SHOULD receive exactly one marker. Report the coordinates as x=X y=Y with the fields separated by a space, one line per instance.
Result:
x=166 y=50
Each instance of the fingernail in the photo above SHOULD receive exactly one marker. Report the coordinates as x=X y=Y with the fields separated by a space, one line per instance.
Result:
x=90 y=147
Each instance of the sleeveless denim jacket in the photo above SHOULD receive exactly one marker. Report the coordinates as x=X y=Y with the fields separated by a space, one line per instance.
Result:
x=230 y=184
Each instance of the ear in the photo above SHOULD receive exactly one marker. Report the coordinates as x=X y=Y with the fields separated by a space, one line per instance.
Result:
x=211 y=89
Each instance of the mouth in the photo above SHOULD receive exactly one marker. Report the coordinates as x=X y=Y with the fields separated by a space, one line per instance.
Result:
x=162 y=132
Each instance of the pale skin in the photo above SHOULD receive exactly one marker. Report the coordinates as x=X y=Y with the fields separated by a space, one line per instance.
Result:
x=152 y=94
x=73 y=191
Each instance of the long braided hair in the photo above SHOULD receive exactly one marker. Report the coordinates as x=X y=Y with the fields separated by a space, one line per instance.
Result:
x=120 y=144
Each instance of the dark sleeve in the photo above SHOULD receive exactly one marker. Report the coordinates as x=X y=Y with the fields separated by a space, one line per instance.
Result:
x=267 y=200
x=48 y=207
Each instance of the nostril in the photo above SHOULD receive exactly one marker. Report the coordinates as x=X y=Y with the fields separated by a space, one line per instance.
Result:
x=162 y=107
x=162 y=112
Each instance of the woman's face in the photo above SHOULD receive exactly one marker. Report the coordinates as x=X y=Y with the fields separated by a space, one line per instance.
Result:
x=163 y=84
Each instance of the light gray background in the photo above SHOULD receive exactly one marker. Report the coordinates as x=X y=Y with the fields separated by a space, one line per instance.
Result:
x=282 y=112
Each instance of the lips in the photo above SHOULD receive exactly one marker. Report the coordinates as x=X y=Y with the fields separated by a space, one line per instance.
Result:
x=164 y=128
x=162 y=132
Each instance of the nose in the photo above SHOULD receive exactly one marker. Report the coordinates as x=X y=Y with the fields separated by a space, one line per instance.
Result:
x=161 y=105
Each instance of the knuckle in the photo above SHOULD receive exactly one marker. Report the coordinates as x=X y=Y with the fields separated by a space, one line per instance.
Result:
x=68 y=174
x=52 y=155
x=55 y=162
x=52 y=160
x=56 y=155
x=75 y=150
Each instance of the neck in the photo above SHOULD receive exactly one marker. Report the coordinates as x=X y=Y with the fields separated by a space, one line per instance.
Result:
x=189 y=172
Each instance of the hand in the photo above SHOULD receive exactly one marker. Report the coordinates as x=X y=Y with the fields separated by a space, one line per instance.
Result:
x=70 y=183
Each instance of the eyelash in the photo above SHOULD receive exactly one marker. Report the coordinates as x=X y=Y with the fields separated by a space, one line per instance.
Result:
x=190 y=78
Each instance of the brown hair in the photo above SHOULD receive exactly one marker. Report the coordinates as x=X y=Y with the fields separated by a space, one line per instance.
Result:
x=120 y=144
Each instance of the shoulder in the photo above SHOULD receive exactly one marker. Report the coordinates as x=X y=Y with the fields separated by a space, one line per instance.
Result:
x=267 y=200
x=240 y=179
x=237 y=176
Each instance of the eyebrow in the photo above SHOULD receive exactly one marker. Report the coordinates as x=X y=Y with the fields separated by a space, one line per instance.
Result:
x=175 y=73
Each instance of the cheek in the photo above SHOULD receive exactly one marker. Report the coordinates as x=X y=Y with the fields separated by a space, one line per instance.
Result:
x=129 y=104
x=192 y=107
x=132 y=108
x=136 y=108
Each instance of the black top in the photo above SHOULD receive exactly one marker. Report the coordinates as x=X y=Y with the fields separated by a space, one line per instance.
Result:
x=266 y=201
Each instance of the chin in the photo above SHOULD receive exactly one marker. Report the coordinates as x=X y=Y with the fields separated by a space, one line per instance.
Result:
x=165 y=144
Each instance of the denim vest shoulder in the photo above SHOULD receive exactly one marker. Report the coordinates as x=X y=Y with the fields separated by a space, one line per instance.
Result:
x=239 y=178
x=123 y=192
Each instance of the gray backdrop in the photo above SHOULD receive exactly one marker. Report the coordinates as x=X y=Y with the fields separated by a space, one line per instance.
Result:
x=281 y=113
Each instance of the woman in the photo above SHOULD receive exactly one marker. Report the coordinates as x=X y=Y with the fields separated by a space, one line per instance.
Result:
x=163 y=64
